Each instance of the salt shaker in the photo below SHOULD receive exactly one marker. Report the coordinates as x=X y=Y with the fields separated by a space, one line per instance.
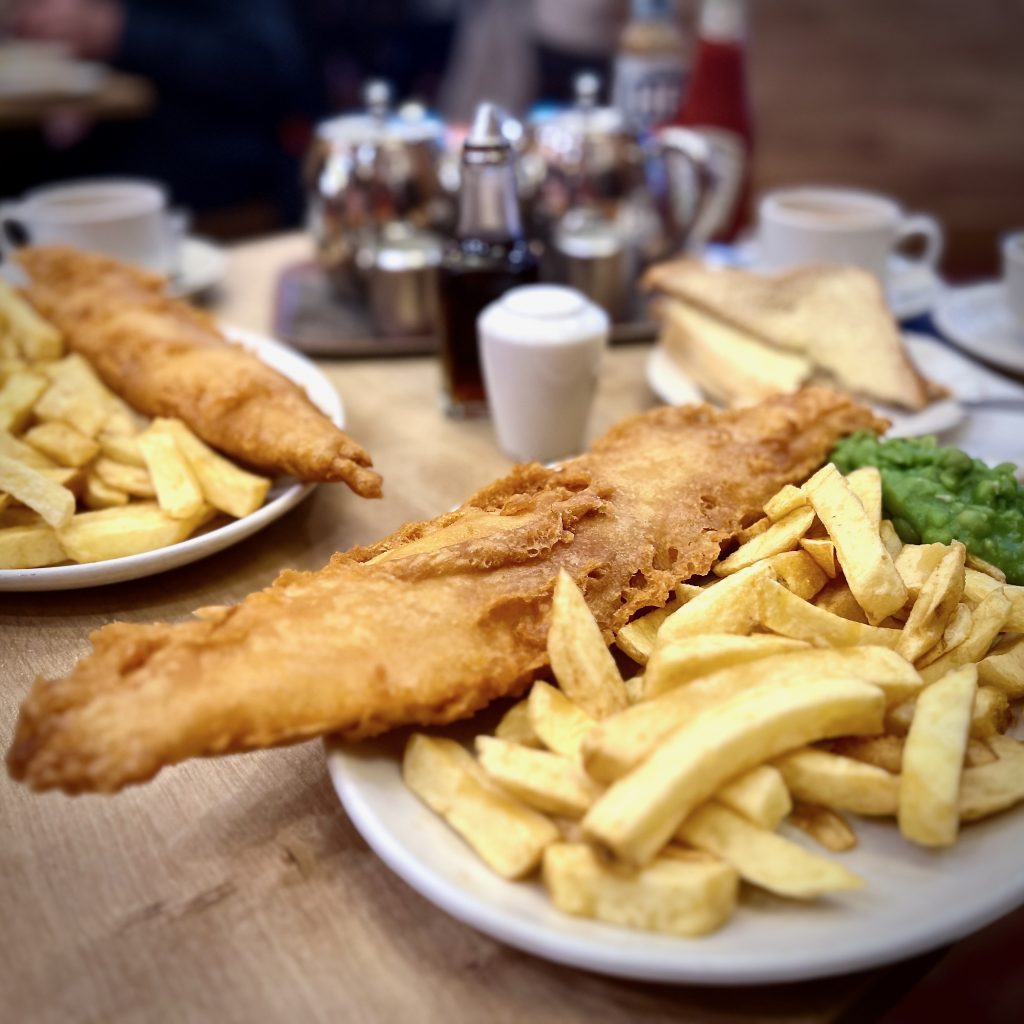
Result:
x=540 y=348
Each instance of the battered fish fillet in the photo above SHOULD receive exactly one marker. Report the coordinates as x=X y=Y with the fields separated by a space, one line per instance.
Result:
x=167 y=358
x=435 y=621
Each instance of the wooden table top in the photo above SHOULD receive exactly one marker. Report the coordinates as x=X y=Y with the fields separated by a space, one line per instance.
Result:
x=235 y=889
x=119 y=97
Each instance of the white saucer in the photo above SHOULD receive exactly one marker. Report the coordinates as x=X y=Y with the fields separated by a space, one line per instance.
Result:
x=201 y=265
x=912 y=288
x=979 y=320
x=967 y=382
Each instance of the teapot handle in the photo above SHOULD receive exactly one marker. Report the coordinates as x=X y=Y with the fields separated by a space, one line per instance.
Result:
x=716 y=160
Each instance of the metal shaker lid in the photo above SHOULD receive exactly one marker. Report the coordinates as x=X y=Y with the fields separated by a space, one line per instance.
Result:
x=402 y=247
x=411 y=123
x=584 y=117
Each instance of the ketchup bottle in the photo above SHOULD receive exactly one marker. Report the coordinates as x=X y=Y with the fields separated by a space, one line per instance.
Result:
x=718 y=102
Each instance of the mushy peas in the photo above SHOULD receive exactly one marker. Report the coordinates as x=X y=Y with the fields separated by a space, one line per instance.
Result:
x=935 y=494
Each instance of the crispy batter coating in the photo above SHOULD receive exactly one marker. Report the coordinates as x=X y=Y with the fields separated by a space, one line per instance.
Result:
x=432 y=623
x=167 y=358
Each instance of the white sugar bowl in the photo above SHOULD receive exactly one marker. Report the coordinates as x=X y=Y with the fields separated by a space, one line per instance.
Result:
x=540 y=348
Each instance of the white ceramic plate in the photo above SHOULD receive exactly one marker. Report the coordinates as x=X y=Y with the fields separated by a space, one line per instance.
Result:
x=201 y=265
x=284 y=495
x=979 y=320
x=914 y=899
x=912 y=288
x=671 y=384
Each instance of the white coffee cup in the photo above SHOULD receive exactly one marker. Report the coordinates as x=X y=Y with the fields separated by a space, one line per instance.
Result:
x=540 y=348
x=122 y=218
x=797 y=226
x=1013 y=273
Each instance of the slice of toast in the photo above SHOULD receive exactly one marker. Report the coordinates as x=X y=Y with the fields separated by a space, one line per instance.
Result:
x=728 y=364
x=836 y=316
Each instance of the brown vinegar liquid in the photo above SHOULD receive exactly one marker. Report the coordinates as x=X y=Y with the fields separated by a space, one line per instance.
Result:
x=474 y=273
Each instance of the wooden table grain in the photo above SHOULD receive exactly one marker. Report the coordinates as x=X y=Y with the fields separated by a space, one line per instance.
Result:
x=235 y=889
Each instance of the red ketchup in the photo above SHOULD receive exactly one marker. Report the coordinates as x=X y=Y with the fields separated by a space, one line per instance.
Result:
x=718 y=101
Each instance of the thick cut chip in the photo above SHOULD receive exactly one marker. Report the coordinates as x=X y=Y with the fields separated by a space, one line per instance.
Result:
x=507 y=835
x=62 y=443
x=891 y=539
x=957 y=630
x=755 y=529
x=15 y=448
x=978 y=585
x=636 y=638
x=620 y=743
x=96 y=494
x=1003 y=668
x=544 y=780
x=32 y=487
x=680 y=661
x=936 y=603
x=119 y=532
x=123 y=448
x=678 y=895
x=933 y=759
x=729 y=606
x=838 y=599
x=225 y=486
x=784 y=502
x=177 y=489
x=18 y=397
x=783 y=612
x=130 y=479
x=762 y=857
x=866 y=483
x=29 y=547
x=993 y=787
x=760 y=795
x=558 y=722
x=798 y=572
x=824 y=826
x=987 y=621
x=637 y=816
x=979 y=564
x=867 y=565
x=783 y=535
x=916 y=562
x=580 y=659
x=831 y=780
x=991 y=714
x=823 y=551
x=33 y=337
x=884 y=752
x=515 y=726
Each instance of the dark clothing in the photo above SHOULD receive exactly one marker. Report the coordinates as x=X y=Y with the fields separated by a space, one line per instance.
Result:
x=232 y=80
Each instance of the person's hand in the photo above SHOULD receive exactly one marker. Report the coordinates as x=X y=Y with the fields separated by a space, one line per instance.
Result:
x=89 y=28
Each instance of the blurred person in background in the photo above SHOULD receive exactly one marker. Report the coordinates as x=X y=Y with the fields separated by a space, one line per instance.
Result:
x=234 y=98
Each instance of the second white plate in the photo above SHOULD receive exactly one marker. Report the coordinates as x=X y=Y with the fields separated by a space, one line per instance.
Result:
x=284 y=495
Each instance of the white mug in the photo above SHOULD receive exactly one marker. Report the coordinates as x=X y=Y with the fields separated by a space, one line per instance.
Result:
x=540 y=349
x=798 y=226
x=1013 y=274
x=125 y=219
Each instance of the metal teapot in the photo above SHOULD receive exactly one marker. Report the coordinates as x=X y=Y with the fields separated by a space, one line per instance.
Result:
x=658 y=196
x=370 y=170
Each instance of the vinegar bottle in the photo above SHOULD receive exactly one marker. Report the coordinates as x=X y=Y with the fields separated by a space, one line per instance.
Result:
x=488 y=255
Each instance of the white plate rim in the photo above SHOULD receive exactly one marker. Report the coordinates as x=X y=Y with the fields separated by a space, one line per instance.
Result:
x=677 y=961
x=954 y=305
x=673 y=385
x=118 y=570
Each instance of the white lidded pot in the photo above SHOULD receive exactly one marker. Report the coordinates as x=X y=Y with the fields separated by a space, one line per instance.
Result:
x=540 y=349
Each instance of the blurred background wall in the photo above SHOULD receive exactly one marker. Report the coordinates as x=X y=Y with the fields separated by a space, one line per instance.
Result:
x=923 y=99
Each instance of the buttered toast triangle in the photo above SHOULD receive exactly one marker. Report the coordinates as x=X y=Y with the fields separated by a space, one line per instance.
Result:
x=836 y=317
